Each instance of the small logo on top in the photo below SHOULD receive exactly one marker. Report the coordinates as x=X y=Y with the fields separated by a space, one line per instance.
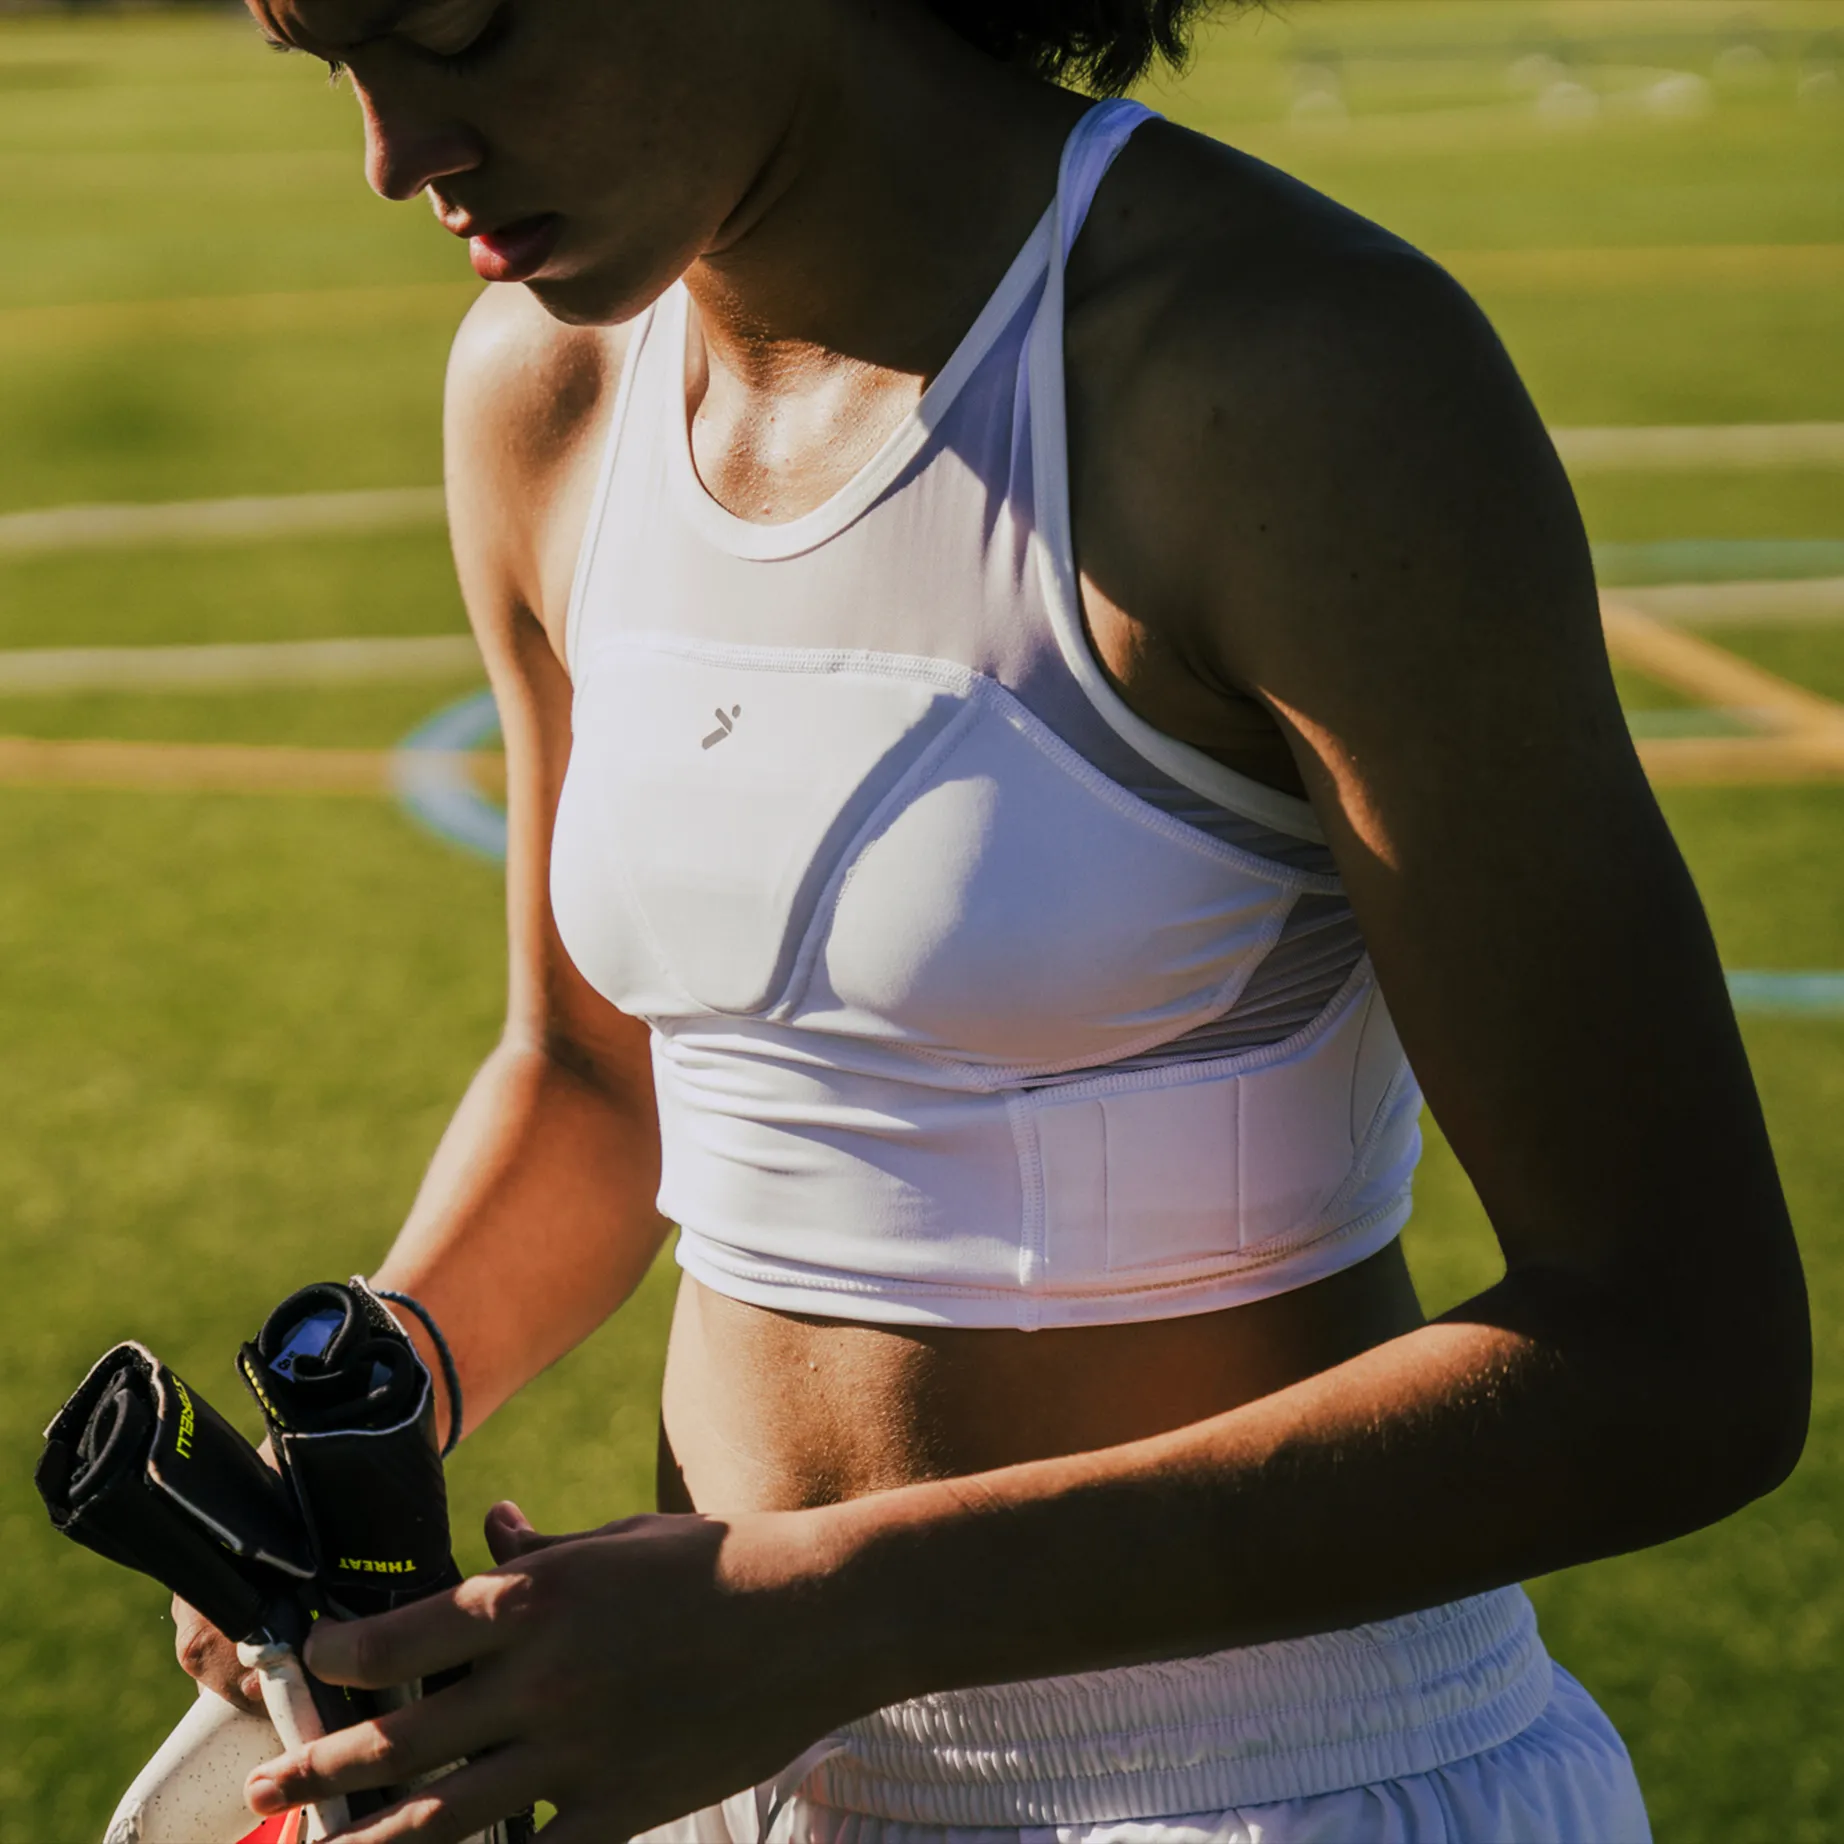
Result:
x=724 y=726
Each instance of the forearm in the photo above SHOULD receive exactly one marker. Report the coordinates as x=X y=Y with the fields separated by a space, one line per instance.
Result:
x=1474 y=1452
x=534 y=1222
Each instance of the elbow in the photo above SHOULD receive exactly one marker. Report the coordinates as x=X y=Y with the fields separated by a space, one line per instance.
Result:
x=1768 y=1436
x=1747 y=1430
x=1770 y=1380
x=1701 y=1401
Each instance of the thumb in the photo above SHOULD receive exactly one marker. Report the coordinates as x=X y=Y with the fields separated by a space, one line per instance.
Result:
x=510 y=1534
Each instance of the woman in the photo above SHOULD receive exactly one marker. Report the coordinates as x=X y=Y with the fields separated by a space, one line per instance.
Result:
x=983 y=686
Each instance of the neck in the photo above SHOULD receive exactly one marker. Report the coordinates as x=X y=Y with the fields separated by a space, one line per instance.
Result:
x=910 y=169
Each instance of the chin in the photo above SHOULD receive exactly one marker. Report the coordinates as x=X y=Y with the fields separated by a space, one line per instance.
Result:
x=594 y=300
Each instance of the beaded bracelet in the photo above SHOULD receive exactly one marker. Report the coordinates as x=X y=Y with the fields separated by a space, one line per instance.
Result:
x=450 y=1375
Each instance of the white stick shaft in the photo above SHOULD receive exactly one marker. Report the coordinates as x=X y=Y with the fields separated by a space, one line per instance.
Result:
x=291 y=1709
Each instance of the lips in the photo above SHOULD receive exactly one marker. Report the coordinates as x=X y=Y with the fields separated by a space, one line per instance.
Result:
x=516 y=251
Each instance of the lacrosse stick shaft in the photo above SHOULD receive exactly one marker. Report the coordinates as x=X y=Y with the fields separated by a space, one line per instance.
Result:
x=289 y=1700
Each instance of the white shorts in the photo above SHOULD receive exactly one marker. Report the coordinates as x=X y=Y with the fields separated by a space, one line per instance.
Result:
x=1449 y=1726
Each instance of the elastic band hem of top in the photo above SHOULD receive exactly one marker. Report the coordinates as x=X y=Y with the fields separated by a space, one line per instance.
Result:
x=1124 y=1299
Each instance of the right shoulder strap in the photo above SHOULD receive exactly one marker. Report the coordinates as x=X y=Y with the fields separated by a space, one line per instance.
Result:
x=632 y=360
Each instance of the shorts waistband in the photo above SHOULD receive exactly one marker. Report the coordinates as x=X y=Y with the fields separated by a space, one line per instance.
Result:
x=1246 y=1727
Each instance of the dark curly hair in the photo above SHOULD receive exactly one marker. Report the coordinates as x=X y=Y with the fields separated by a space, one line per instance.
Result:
x=1104 y=46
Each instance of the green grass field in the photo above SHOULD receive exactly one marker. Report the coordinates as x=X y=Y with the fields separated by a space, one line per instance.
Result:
x=231 y=1027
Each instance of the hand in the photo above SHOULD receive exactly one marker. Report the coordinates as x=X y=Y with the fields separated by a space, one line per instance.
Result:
x=208 y=1655
x=629 y=1675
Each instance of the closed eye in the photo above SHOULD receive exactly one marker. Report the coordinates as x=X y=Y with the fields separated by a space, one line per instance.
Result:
x=474 y=49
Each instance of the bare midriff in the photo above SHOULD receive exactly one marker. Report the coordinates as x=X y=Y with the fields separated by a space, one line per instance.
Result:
x=765 y=1410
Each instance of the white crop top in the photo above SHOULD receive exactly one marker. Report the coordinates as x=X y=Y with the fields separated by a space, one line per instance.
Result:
x=975 y=999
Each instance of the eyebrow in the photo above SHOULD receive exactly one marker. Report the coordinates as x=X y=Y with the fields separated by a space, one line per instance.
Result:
x=380 y=22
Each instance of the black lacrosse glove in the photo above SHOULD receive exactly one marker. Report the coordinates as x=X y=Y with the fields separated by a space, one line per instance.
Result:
x=143 y=1470
x=351 y=1415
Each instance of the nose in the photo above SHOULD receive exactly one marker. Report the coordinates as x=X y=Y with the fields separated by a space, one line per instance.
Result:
x=404 y=154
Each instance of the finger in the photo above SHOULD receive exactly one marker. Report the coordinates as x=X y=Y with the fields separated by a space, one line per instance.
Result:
x=430 y=1733
x=416 y=1641
x=510 y=1534
x=459 y=1805
x=209 y=1656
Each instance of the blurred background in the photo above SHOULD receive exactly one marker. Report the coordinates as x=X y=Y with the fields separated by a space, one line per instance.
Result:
x=250 y=933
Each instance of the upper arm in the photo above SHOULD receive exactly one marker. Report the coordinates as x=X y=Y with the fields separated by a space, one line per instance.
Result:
x=1383 y=548
x=526 y=411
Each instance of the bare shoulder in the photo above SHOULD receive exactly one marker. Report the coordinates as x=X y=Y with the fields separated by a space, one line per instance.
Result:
x=527 y=404
x=1273 y=393
x=1215 y=280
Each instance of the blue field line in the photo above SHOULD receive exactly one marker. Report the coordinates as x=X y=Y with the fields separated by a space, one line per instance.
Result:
x=432 y=783
x=434 y=788
x=1699 y=720
x=1718 y=560
x=1812 y=994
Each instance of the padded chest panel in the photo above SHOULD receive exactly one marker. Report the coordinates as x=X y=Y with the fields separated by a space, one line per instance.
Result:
x=1018 y=911
x=708 y=795
x=888 y=849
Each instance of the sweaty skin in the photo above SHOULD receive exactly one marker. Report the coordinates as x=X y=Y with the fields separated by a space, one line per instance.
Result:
x=1323 y=536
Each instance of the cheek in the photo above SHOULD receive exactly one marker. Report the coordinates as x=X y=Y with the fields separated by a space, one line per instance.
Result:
x=644 y=123
x=645 y=188
x=674 y=101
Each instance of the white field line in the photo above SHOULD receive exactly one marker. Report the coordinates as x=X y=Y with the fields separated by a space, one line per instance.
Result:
x=25 y=671
x=1705 y=604
x=308 y=310
x=1745 y=447
x=214 y=521
x=365 y=307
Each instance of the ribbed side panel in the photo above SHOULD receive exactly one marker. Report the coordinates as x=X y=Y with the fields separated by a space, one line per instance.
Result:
x=1247 y=835
x=1317 y=952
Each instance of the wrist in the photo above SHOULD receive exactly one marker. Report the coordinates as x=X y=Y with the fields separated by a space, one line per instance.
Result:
x=1034 y=1571
x=881 y=1613
x=812 y=1608
x=424 y=1332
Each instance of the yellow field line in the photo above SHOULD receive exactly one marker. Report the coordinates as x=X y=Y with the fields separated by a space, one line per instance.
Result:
x=1734 y=761
x=1748 y=265
x=213 y=768
x=1806 y=732
x=1708 y=673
